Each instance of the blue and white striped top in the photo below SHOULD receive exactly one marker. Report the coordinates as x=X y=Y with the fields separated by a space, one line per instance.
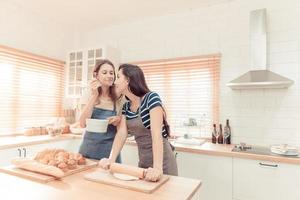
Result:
x=150 y=101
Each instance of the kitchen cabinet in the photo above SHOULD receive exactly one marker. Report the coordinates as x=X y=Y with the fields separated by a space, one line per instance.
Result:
x=30 y=150
x=261 y=180
x=129 y=155
x=80 y=65
x=7 y=154
x=75 y=73
x=215 y=172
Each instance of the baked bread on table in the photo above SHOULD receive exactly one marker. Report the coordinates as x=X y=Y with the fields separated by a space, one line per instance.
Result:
x=54 y=162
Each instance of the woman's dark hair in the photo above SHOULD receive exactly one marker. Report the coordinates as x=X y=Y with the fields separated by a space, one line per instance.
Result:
x=99 y=63
x=138 y=86
x=137 y=83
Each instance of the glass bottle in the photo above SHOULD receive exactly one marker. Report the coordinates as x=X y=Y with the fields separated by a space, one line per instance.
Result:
x=227 y=133
x=213 y=137
x=220 y=138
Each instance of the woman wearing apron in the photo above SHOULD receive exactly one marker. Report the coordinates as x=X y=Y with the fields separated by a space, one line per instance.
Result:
x=143 y=117
x=102 y=104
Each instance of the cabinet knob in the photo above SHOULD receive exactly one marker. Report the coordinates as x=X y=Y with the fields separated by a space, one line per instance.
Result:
x=20 y=152
x=25 y=153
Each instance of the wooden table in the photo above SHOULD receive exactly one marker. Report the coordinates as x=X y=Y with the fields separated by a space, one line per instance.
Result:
x=76 y=187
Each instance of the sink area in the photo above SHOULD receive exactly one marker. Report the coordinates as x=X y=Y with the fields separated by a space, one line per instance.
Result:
x=189 y=141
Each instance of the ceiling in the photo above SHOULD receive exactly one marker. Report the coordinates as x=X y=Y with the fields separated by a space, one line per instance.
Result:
x=88 y=14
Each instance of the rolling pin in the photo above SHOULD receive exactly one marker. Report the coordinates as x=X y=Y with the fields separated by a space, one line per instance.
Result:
x=127 y=169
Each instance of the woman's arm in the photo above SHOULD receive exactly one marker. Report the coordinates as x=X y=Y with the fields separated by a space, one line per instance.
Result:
x=119 y=140
x=88 y=108
x=118 y=144
x=156 y=121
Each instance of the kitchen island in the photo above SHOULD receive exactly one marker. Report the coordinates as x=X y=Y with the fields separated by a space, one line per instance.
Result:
x=76 y=187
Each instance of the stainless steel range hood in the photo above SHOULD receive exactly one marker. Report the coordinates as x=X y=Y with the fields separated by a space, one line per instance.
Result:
x=260 y=76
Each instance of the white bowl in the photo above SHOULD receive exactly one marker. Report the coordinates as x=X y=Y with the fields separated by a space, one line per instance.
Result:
x=97 y=125
x=77 y=130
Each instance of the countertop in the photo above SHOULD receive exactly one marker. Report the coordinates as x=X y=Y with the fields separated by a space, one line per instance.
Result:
x=17 y=141
x=76 y=187
x=207 y=148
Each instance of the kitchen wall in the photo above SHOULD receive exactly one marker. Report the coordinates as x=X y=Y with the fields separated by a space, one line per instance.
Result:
x=262 y=116
x=26 y=30
x=258 y=116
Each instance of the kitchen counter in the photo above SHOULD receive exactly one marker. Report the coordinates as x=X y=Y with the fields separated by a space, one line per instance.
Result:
x=76 y=187
x=207 y=148
x=18 y=141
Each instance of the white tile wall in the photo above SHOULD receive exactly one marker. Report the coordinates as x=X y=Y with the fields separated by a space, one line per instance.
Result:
x=257 y=116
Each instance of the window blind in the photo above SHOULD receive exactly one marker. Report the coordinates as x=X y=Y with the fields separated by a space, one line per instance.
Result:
x=31 y=89
x=189 y=88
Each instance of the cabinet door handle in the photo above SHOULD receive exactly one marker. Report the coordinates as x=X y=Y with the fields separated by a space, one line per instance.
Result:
x=20 y=152
x=25 y=153
x=268 y=165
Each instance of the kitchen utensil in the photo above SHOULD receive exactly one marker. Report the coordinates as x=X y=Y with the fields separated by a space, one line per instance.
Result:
x=127 y=169
x=284 y=149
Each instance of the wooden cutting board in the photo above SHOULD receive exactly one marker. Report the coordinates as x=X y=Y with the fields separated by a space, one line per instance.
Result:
x=102 y=176
x=35 y=176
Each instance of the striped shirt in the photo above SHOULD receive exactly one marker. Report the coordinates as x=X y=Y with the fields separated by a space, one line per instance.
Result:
x=150 y=101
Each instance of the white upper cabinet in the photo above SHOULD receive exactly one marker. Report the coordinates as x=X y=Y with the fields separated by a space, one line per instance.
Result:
x=93 y=55
x=80 y=65
x=75 y=75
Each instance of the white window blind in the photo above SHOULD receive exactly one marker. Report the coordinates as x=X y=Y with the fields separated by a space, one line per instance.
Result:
x=189 y=88
x=31 y=89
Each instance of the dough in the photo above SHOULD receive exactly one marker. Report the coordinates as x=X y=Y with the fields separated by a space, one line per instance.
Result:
x=125 y=177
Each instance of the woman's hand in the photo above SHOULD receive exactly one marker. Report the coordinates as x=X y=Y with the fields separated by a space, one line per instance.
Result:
x=114 y=120
x=153 y=174
x=95 y=84
x=104 y=163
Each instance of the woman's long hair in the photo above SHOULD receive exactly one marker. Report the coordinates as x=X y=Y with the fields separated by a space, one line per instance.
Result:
x=138 y=86
x=112 y=94
x=137 y=83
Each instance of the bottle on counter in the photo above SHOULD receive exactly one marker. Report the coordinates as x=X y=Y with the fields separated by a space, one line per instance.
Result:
x=227 y=133
x=213 y=137
x=220 y=138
